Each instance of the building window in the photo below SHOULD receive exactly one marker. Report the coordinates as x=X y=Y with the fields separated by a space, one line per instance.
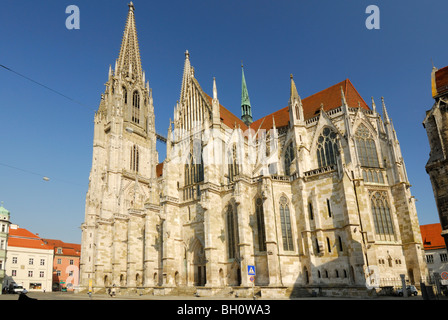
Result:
x=1 y=264
x=135 y=158
x=289 y=157
x=366 y=147
x=59 y=251
x=14 y=260
x=329 y=207
x=443 y=257
x=341 y=248
x=429 y=258
x=59 y=261
x=316 y=242
x=42 y=262
x=71 y=262
x=136 y=107
x=31 y=261
x=41 y=274
x=372 y=175
x=13 y=273
x=2 y=244
x=381 y=215
x=328 y=245
x=327 y=148
x=310 y=210
x=30 y=274
x=232 y=232
x=260 y=225
x=58 y=273
x=194 y=170
x=285 y=221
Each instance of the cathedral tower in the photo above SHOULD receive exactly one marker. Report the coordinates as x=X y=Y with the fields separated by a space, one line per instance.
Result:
x=122 y=179
x=436 y=125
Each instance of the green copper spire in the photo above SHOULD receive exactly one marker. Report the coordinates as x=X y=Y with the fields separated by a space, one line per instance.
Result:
x=245 y=102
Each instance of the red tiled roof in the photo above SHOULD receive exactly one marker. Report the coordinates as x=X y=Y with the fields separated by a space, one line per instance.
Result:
x=227 y=117
x=442 y=80
x=20 y=237
x=68 y=249
x=431 y=236
x=330 y=98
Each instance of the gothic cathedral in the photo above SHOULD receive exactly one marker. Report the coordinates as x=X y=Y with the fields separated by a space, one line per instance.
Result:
x=313 y=195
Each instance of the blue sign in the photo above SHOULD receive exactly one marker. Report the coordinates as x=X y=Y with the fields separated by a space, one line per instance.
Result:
x=251 y=270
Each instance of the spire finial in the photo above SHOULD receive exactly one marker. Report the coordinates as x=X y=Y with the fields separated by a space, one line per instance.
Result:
x=215 y=90
x=131 y=6
x=373 y=105
x=385 y=115
x=187 y=55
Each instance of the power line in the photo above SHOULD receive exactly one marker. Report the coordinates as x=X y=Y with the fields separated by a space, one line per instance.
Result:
x=45 y=178
x=46 y=87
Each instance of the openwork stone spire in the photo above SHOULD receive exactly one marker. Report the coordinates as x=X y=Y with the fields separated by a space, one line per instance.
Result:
x=129 y=62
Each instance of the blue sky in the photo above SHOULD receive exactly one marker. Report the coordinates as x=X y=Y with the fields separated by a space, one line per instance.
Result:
x=321 y=42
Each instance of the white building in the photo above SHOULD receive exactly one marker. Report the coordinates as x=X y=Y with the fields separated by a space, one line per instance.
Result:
x=4 y=229
x=29 y=260
x=436 y=253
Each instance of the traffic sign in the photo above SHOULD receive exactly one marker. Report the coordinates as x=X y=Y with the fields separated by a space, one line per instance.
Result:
x=252 y=279
x=251 y=270
x=444 y=275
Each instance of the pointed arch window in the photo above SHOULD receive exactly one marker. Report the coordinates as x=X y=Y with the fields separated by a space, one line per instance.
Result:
x=365 y=145
x=232 y=232
x=194 y=170
x=289 y=157
x=136 y=107
x=327 y=148
x=234 y=168
x=260 y=224
x=134 y=158
x=381 y=214
x=285 y=221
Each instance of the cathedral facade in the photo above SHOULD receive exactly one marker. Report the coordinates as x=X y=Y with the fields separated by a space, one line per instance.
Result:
x=313 y=195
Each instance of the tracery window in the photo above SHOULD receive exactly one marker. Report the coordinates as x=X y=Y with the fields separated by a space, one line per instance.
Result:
x=381 y=214
x=134 y=158
x=366 y=147
x=289 y=157
x=285 y=221
x=136 y=107
x=194 y=170
x=232 y=232
x=234 y=168
x=260 y=224
x=327 y=148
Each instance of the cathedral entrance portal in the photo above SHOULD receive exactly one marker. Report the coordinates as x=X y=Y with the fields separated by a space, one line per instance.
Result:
x=200 y=273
